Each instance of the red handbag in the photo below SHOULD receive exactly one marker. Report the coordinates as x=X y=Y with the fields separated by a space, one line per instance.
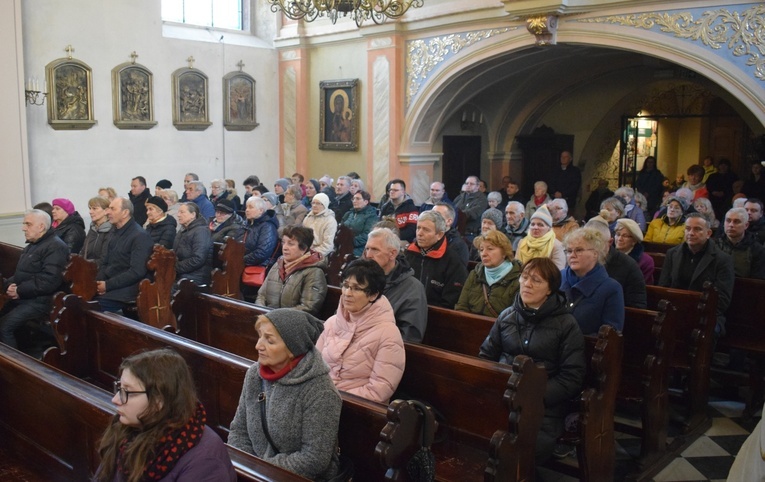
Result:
x=254 y=276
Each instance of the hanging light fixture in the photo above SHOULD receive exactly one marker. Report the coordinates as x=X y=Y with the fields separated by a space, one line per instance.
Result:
x=360 y=10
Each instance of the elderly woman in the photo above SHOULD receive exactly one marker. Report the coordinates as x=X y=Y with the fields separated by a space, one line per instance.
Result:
x=97 y=240
x=615 y=210
x=289 y=410
x=669 y=228
x=292 y=210
x=68 y=224
x=492 y=285
x=557 y=342
x=160 y=426
x=357 y=185
x=361 y=218
x=703 y=206
x=322 y=220
x=541 y=242
x=311 y=189
x=226 y=223
x=491 y=220
x=193 y=246
x=629 y=240
x=161 y=227
x=494 y=199
x=594 y=298
x=171 y=199
x=260 y=237
x=540 y=198
x=297 y=279
x=631 y=209
x=361 y=343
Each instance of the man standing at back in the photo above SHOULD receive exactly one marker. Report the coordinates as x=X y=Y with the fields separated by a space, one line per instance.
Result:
x=566 y=181
x=138 y=196
x=473 y=203
x=402 y=209
x=125 y=263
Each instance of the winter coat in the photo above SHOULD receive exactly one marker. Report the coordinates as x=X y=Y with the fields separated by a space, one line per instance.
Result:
x=651 y=185
x=341 y=205
x=193 y=252
x=72 y=231
x=594 y=299
x=558 y=256
x=232 y=227
x=405 y=215
x=644 y=261
x=206 y=208
x=659 y=231
x=549 y=335
x=361 y=222
x=457 y=244
x=260 y=240
x=163 y=232
x=407 y=297
x=626 y=272
x=564 y=227
x=440 y=271
x=97 y=242
x=303 y=414
x=748 y=256
x=40 y=269
x=531 y=206
x=567 y=182
x=501 y=294
x=324 y=228
x=292 y=215
x=124 y=265
x=139 y=206
x=636 y=214
x=472 y=205
x=364 y=350
x=303 y=289
x=515 y=235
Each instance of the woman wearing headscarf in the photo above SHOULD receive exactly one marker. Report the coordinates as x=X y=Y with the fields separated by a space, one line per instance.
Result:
x=541 y=242
x=68 y=224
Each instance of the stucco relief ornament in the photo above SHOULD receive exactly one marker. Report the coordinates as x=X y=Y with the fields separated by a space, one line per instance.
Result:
x=424 y=55
x=742 y=32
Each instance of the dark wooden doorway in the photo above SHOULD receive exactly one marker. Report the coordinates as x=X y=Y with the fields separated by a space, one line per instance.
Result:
x=541 y=155
x=462 y=158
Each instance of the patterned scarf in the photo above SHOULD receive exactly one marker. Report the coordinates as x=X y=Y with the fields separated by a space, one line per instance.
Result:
x=532 y=247
x=170 y=448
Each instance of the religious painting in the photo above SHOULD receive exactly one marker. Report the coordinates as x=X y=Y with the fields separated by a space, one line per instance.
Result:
x=190 y=100
x=239 y=101
x=339 y=110
x=70 y=97
x=133 y=96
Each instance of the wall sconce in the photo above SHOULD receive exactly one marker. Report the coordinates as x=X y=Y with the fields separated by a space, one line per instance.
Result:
x=468 y=122
x=32 y=91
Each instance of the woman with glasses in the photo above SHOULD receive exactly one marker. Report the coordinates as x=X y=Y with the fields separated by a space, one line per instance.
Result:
x=669 y=228
x=593 y=297
x=541 y=242
x=538 y=324
x=361 y=343
x=629 y=240
x=360 y=219
x=159 y=432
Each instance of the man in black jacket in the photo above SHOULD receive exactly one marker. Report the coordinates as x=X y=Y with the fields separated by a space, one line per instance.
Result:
x=138 y=196
x=125 y=263
x=39 y=274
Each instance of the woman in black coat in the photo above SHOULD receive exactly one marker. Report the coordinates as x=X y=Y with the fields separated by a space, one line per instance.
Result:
x=193 y=246
x=68 y=224
x=539 y=325
x=160 y=226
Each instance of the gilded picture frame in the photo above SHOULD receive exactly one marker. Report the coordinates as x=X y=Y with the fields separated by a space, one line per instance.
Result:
x=239 y=106
x=191 y=95
x=339 y=115
x=133 y=96
x=70 y=96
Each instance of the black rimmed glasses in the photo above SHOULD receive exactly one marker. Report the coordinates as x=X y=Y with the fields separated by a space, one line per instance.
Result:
x=124 y=394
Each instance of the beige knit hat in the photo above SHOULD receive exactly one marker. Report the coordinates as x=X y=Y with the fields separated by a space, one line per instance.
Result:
x=632 y=227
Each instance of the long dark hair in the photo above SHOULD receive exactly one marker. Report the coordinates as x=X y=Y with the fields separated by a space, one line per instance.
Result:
x=172 y=402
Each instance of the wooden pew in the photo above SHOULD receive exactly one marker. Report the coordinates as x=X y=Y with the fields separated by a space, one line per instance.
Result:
x=460 y=384
x=9 y=258
x=228 y=265
x=153 y=300
x=456 y=331
x=81 y=276
x=694 y=342
x=93 y=344
x=650 y=247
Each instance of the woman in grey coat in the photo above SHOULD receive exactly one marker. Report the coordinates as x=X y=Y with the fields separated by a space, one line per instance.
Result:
x=302 y=405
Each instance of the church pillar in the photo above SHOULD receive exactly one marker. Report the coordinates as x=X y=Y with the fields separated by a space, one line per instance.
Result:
x=293 y=111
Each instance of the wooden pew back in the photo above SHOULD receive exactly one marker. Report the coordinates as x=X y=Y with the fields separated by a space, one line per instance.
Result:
x=228 y=262
x=456 y=331
x=745 y=319
x=9 y=258
x=153 y=301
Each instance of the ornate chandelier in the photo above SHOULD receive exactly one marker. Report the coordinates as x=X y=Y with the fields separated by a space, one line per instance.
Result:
x=360 y=10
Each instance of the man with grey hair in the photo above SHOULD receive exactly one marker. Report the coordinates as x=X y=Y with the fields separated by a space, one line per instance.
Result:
x=343 y=201
x=439 y=269
x=190 y=176
x=124 y=265
x=517 y=226
x=404 y=292
x=747 y=253
x=196 y=193
x=562 y=222
x=473 y=203
x=697 y=260
x=453 y=237
x=39 y=274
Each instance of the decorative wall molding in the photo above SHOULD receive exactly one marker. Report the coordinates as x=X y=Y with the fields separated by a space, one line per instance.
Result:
x=423 y=56
x=289 y=89
x=544 y=28
x=381 y=123
x=741 y=32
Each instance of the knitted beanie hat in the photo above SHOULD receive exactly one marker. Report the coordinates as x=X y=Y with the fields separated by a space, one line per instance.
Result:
x=542 y=213
x=632 y=227
x=271 y=197
x=164 y=184
x=322 y=198
x=298 y=329
x=283 y=182
x=159 y=202
x=494 y=215
x=64 y=204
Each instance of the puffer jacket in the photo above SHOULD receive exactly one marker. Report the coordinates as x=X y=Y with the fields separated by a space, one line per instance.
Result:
x=303 y=289
x=163 y=232
x=659 y=231
x=72 y=232
x=324 y=226
x=549 y=335
x=260 y=240
x=232 y=227
x=193 y=252
x=364 y=350
x=40 y=270
x=97 y=242
x=748 y=256
x=501 y=294
x=361 y=222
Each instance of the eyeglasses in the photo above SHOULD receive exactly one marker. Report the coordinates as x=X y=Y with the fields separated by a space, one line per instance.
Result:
x=352 y=288
x=531 y=280
x=124 y=394
x=577 y=251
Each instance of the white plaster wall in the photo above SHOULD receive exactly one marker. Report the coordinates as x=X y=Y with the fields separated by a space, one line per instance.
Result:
x=75 y=164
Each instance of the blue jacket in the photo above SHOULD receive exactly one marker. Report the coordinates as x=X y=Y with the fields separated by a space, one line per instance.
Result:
x=260 y=240
x=594 y=299
x=205 y=207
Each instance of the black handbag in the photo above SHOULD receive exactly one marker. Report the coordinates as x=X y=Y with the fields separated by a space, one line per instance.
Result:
x=422 y=466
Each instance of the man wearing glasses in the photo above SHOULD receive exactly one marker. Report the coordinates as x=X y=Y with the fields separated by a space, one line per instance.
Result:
x=402 y=209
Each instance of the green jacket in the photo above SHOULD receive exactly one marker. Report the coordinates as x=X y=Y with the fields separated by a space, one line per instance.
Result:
x=501 y=294
x=361 y=222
